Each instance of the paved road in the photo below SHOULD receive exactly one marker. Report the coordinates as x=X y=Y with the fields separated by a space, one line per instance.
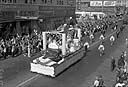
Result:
x=83 y=73
x=76 y=76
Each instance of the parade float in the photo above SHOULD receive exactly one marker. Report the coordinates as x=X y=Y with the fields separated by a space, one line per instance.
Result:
x=61 y=50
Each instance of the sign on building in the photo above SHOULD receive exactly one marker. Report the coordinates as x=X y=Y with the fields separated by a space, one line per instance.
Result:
x=95 y=3
x=109 y=3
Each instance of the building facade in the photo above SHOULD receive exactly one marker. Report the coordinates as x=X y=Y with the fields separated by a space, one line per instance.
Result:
x=40 y=14
x=105 y=6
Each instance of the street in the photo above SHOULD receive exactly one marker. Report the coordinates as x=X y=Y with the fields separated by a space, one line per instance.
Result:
x=81 y=74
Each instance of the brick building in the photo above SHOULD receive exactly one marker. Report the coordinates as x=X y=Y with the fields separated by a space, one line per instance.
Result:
x=25 y=15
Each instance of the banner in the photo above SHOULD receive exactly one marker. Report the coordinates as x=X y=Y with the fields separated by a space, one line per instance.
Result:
x=109 y=3
x=95 y=3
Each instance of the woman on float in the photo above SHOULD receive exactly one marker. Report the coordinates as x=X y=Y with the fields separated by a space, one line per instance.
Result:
x=101 y=49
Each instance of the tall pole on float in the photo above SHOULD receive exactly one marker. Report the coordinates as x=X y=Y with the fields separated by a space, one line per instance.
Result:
x=44 y=41
x=63 y=44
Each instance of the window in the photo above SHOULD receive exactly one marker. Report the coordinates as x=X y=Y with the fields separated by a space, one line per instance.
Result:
x=51 y=1
x=4 y=1
x=34 y=1
x=14 y=1
x=44 y=1
x=26 y=1
x=9 y=1
x=60 y=2
x=30 y=1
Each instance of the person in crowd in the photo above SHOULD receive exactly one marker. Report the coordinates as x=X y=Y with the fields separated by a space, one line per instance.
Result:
x=86 y=46
x=120 y=84
x=96 y=82
x=101 y=49
x=4 y=51
x=99 y=82
x=12 y=51
x=118 y=33
x=115 y=27
x=91 y=38
x=112 y=39
x=126 y=42
x=121 y=61
x=113 y=64
x=101 y=37
x=29 y=50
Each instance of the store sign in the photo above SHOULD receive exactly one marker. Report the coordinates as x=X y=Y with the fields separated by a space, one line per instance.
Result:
x=95 y=3
x=109 y=3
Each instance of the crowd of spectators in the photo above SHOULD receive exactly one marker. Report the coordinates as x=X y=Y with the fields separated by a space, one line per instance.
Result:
x=17 y=45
